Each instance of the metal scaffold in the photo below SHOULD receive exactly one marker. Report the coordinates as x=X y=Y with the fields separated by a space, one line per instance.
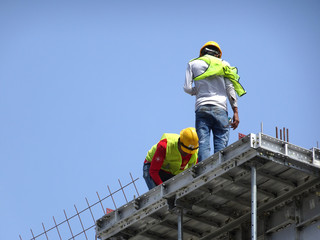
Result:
x=259 y=187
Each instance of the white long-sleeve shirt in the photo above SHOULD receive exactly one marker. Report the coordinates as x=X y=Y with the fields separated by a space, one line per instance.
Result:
x=213 y=90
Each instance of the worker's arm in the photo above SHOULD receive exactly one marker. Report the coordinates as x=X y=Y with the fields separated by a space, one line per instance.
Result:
x=233 y=102
x=188 y=82
x=191 y=164
x=235 y=120
x=157 y=161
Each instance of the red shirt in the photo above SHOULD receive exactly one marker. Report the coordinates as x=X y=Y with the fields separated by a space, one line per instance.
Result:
x=158 y=159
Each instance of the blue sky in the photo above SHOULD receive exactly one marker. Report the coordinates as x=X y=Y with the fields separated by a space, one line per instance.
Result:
x=87 y=87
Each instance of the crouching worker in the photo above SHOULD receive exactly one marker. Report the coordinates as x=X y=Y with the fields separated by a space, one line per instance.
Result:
x=172 y=155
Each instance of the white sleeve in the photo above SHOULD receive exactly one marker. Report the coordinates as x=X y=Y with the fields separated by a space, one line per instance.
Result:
x=232 y=96
x=188 y=81
x=231 y=93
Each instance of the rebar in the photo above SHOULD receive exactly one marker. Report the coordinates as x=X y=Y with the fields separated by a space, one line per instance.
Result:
x=85 y=229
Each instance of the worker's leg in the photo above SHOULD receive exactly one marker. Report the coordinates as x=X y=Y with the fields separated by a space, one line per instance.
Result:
x=146 y=175
x=220 y=129
x=203 y=119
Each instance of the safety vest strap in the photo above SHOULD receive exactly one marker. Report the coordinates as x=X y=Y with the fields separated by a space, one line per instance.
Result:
x=216 y=67
x=173 y=160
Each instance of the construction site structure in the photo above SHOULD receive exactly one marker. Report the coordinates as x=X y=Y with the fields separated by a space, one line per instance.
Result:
x=80 y=225
x=259 y=187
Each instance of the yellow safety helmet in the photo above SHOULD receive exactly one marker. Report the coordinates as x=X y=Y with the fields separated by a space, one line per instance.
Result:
x=189 y=140
x=211 y=43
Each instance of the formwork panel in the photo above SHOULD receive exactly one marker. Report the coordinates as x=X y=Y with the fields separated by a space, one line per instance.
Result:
x=287 y=232
x=311 y=232
x=215 y=197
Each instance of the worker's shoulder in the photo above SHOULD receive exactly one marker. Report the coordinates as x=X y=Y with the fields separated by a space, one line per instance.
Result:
x=170 y=135
x=225 y=62
x=196 y=63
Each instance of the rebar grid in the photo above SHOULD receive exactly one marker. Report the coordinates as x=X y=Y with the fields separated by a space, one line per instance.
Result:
x=84 y=229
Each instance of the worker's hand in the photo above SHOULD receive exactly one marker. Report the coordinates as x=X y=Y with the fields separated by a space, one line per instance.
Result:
x=235 y=121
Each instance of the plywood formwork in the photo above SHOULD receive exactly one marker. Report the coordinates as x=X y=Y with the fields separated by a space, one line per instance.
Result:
x=259 y=187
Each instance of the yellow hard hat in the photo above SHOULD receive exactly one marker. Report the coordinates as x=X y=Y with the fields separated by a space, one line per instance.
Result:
x=189 y=140
x=211 y=43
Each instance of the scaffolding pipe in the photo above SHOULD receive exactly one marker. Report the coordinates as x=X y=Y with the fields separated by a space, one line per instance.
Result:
x=253 y=202
x=180 y=222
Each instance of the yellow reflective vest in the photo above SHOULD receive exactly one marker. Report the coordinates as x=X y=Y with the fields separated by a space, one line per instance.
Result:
x=173 y=159
x=216 y=67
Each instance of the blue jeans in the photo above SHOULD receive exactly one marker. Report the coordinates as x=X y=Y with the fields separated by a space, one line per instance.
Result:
x=211 y=118
x=146 y=175
x=149 y=181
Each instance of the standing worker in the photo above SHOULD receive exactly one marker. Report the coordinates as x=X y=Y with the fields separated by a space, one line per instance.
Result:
x=214 y=81
x=172 y=155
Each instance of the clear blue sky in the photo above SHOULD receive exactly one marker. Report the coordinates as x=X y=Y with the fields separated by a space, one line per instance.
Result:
x=87 y=87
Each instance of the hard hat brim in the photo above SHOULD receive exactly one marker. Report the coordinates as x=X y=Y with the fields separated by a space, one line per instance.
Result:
x=187 y=150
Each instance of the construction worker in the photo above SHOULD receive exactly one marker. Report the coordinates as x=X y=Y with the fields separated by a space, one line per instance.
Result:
x=212 y=80
x=172 y=155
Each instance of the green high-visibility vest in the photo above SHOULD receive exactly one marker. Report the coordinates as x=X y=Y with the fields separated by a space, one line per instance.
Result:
x=173 y=159
x=216 y=67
